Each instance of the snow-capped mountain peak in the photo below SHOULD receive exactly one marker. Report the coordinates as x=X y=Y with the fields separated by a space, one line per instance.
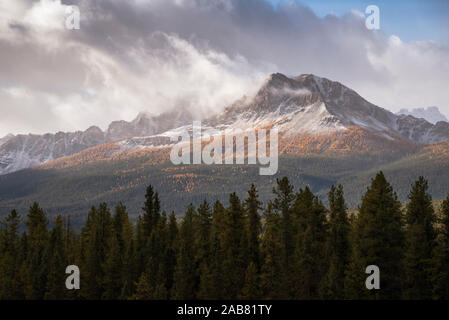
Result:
x=306 y=105
x=312 y=104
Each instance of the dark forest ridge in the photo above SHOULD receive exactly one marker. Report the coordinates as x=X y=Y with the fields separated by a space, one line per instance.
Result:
x=300 y=250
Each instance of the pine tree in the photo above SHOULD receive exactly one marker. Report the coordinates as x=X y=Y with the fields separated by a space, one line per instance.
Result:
x=140 y=242
x=116 y=266
x=148 y=211
x=164 y=259
x=70 y=242
x=282 y=203
x=23 y=273
x=309 y=257
x=211 y=274
x=155 y=251
x=150 y=246
x=172 y=229
x=171 y=250
x=252 y=207
x=378 y=240
x=157 y=209
x=420 y=242
x=11 y=258
x=202 y=236
x=234 y=245
x=130 y=269
x=441 y=256
x=338 y=247
x=151 y=211
x=113 y=281
x=97 y=239
x=57 y=261
x=124 y=233
x=272 y=270
x=37 y=259
x=185 y=276
x=203 y=260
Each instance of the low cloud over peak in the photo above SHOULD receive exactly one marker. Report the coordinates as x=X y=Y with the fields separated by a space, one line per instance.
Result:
x=154 y=55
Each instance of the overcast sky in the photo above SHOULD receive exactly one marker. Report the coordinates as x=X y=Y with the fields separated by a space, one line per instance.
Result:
x=154 y=55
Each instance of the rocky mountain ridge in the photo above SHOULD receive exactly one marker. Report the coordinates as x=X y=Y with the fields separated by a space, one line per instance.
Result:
x=304 y=108
x=430 y=114
x=23 y=151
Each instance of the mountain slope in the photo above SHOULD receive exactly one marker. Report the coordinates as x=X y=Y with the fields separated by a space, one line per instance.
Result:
x=296 y=106
x=328 y=134
x=317 y=105
x=72 y=189
x=312 y=114
x=24 y=151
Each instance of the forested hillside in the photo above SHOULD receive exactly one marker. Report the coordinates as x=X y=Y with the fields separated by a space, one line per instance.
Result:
x=72 y=191
x=294 y=247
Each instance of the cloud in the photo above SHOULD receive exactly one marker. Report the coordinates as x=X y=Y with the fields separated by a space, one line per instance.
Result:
x=69 y=82
x=290 y=92
x=418 y=72
x=154 y=55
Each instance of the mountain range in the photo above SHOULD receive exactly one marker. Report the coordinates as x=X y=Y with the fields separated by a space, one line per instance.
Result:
x=327 y=134
x=23 y=151
x=431 y=114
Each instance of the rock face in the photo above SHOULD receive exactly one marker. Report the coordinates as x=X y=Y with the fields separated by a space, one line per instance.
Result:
x=146 y=124
x=309 y=110
x=24 y=151
x=311 y=104
x=431 y=114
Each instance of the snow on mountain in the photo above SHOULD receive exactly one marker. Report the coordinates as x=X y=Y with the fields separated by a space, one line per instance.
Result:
x=24 y=151
x=146 y=124
x=431 y=114
x=307 y=106
x=6 y=138
x=301 y=106
x=320 y=106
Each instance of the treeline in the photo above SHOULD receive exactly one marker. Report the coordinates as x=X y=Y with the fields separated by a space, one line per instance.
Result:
x=293 y=248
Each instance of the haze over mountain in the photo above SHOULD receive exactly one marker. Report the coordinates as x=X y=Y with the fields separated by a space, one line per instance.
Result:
x=431 y=114
x=130 y=54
